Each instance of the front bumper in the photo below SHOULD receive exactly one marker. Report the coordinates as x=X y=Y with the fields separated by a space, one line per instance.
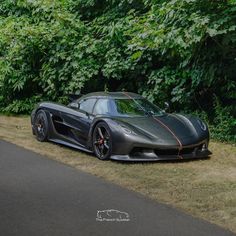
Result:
x=144 y=155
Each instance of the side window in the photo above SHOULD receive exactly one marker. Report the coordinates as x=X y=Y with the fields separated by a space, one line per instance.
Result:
x=87 y=105
x=101 y=107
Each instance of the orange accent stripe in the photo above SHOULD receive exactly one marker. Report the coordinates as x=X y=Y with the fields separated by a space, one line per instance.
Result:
x=127 y=95
x=166 y=127
x=173 y=134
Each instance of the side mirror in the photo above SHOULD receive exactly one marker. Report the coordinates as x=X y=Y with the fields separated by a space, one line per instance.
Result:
x=74 y=105
x=167 y=106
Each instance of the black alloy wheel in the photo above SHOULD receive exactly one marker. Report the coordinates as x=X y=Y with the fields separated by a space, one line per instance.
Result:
x=41 y=126
x=102 y=141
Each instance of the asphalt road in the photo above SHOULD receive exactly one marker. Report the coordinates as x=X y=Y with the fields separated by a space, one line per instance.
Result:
x=39 y=196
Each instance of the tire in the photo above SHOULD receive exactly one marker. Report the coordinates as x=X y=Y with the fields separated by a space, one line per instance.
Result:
x=102 y=141
x=41 y=126
x=33 y=131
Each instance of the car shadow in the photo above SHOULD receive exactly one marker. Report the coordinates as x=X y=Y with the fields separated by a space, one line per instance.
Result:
x=180 y=161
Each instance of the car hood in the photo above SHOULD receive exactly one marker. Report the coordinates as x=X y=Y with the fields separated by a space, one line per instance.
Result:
x=165 y=128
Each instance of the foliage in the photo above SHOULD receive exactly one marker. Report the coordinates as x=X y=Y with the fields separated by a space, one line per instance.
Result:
x=21 y=106
x=221 y=122
x=182 y=51
x=223 y=126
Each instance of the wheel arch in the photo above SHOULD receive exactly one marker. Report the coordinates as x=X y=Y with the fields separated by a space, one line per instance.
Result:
x=43 y=125
x=36 y=110
x=94 y=124
x=106 y=141
x=33 y=116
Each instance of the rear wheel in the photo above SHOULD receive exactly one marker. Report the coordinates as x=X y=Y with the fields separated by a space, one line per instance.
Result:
x=41 y=126
x=102 y=141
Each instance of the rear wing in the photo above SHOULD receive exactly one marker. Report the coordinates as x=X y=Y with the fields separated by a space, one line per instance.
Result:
x=73 y=97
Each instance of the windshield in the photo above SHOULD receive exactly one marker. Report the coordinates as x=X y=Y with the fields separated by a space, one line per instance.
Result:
x=134 y=107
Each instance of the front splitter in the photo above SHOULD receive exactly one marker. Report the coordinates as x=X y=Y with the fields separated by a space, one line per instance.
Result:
x=145 y=158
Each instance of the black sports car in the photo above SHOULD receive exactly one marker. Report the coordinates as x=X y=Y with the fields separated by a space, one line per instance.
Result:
x=121 y=126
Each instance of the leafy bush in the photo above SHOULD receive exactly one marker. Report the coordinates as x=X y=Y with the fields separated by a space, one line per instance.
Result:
x=221 y=122
x=21 y=106
x=182 y=51
x=223 y=126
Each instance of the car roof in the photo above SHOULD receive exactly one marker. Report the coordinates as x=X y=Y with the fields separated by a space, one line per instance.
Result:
x=114 y=95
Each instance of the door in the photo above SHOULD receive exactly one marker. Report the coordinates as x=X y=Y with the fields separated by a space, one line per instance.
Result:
x=78 y=120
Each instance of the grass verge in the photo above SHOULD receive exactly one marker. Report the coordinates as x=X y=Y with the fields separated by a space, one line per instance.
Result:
x=203 y=188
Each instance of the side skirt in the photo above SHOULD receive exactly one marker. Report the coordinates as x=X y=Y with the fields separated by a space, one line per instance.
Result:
x=71 y=145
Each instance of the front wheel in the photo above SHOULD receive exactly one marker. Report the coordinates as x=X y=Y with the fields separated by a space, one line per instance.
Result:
x=102 y=141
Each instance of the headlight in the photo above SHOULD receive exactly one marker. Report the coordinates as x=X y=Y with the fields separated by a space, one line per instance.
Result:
x=202 y=125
